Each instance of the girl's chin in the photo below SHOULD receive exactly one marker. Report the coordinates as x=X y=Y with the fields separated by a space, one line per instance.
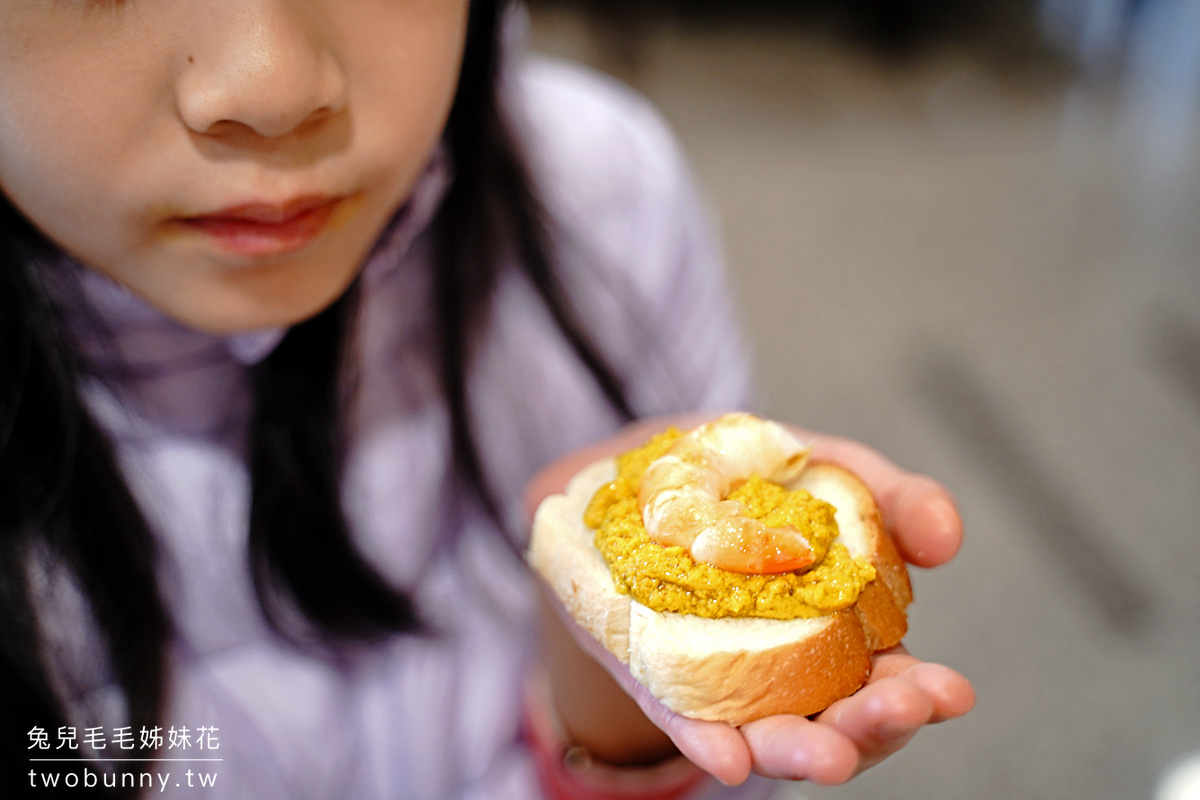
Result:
x=250 y=302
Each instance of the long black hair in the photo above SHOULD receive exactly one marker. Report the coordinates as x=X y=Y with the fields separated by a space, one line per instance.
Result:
x=63 y=499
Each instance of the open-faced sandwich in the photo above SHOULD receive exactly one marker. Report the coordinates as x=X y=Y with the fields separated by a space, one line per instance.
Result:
x=735 y=576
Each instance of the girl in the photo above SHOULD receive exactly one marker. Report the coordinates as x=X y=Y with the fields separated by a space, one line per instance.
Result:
x=284 y=332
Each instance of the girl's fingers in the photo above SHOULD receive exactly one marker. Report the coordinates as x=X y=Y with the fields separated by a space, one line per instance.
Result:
x=881 y=718
x=951 y=694
x=793 y=748
x=923 y=519
x=717 y=748
x=903 y=695
x=919 y=512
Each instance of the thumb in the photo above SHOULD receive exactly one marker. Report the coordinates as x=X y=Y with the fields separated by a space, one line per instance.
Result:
x=716 y=747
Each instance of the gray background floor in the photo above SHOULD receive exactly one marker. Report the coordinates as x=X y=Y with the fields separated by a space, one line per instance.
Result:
x=988 y=266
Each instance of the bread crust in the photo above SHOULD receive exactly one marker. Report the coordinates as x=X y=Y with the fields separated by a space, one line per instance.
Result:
x=731 y=670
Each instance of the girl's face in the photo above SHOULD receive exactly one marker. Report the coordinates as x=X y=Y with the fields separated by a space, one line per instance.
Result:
x=231 y=161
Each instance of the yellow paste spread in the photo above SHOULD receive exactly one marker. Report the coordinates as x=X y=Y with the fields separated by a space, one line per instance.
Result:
x=667 y=579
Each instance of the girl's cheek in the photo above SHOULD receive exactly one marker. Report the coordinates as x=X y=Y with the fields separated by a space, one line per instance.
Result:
x=75 y=90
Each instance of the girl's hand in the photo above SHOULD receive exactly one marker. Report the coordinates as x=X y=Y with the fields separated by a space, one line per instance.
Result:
x=902 y=694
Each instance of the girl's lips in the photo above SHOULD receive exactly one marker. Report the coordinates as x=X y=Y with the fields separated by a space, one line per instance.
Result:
x=266 y=229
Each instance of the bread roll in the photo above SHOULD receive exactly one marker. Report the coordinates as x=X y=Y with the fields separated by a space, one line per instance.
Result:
x=733 y=669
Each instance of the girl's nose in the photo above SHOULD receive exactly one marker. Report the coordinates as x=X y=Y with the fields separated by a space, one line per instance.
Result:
x=266 y=66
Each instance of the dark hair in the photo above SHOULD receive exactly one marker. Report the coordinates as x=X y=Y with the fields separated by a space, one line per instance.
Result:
x=63 y=501
x=63 y=498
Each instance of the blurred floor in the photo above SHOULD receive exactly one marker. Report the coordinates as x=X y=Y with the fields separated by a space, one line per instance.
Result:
x=984 y=272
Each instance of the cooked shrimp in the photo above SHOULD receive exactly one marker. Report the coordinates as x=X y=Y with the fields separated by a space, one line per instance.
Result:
x=681 y=493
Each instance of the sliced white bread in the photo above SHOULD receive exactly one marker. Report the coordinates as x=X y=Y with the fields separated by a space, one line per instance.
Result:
x=738 y=669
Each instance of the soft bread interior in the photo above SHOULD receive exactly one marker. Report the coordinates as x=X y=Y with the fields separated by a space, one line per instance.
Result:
x=827 y=482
